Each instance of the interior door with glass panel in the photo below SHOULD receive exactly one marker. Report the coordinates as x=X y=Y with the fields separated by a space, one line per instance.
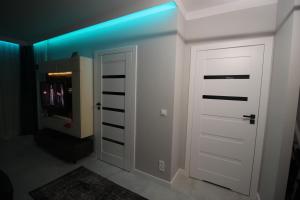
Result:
x=226 y=95
x=115 y=91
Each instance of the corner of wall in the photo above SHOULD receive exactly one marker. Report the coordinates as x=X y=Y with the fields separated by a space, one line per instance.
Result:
x=180 y=111
x=181 y=22
x=284 y=8
x=282 y=110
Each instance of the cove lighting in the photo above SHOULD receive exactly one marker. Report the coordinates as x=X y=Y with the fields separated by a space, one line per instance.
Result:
x=114 y=22
x=59 y=73
x=4 y=43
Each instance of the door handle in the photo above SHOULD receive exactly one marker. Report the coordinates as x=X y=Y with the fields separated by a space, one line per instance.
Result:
x=251 y=118
x=98 y=105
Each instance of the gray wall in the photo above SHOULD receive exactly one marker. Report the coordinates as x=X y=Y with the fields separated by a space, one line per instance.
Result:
x=180 y=108
x=284 y=9
x=276 y=111
x=156 y=40
x=181 y=88
x=283 y=104
x=10 y=74
x=298 y=113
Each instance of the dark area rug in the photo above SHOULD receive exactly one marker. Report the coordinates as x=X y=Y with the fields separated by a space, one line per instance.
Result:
x=83 y=184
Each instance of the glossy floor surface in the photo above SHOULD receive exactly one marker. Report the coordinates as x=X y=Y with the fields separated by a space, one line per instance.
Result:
x=30 y=167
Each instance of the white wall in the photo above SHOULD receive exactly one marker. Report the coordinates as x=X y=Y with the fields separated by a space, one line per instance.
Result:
x=251 y=21
x=283 y=104
x=155 y=37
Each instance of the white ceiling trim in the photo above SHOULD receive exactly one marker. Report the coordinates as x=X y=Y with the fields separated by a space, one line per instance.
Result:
x=228 y=7
x=181 y=7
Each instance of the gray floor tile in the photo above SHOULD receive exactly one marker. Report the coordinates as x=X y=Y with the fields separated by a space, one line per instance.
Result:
x=29 y=167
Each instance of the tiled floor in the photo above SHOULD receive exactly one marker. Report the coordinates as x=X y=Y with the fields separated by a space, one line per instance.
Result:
x=30 y=167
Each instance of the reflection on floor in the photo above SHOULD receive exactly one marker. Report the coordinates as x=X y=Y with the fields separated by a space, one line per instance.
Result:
x=30 y=167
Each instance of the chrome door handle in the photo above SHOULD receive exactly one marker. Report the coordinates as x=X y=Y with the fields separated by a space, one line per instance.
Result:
x=249 y=116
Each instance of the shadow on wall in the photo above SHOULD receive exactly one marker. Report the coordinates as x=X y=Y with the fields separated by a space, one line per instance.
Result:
x=297 y=128
x=293 y=187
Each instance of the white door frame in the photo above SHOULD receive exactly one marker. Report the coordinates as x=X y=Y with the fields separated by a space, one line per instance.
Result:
x=130 y=106
x=264 y=99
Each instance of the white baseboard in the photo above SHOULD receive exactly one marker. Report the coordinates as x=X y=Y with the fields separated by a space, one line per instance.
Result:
x=160 y=180
x=179 y=171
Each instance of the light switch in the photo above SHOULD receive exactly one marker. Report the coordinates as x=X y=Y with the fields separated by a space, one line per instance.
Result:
x=163 y=112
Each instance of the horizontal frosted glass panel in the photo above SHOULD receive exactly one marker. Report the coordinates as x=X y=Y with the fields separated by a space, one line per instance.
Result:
x=228 y=66
x=227 y=87
x=113 y=101
x=113 y=117
x=113 y=133
x=114 y=68
x=112 y=148
x=114 y=85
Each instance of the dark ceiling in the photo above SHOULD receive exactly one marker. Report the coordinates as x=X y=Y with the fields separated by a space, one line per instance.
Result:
x=35 y=20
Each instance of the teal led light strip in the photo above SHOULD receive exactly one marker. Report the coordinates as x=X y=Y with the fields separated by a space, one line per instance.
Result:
x=114 y=22
x=4 y=43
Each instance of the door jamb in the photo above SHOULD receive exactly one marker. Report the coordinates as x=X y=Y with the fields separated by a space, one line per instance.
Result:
x=264 y=99
x=131 y=106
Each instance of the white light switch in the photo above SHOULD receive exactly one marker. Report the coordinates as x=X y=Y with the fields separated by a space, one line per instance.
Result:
x=163 y=112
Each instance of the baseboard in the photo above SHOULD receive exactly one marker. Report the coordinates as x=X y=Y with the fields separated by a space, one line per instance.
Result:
x=160 y=180
x=179 y=171
x=257 y=196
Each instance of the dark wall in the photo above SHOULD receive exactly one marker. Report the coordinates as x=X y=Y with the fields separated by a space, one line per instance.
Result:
x=28 y=91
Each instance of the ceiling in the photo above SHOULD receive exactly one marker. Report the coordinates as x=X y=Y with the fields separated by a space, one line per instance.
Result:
x=192 y=5
x=36 y=20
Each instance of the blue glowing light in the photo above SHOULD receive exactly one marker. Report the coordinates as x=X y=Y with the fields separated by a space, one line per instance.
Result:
x=114 y=22
x=4 y=43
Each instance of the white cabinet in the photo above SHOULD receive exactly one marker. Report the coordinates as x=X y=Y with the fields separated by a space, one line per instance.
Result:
x=80 y=123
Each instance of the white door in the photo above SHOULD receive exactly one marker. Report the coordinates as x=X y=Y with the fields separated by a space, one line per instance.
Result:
x=226 y=95
x=115 y=96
